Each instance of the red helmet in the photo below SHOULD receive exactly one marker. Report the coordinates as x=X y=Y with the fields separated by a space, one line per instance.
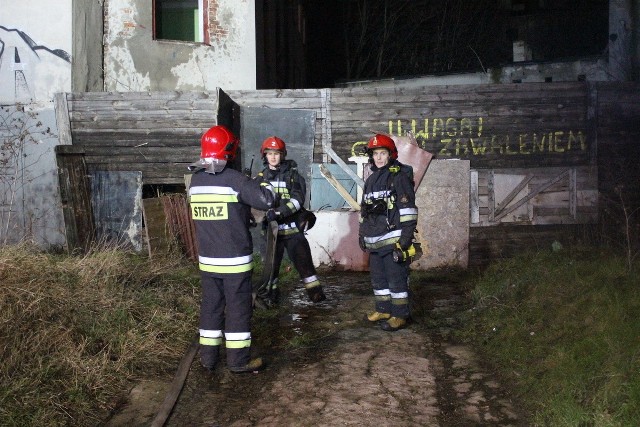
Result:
x=382 y=141
x=219 y=143
x=273 y=143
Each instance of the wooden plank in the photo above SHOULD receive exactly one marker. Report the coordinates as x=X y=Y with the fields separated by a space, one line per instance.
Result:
x=344 y=166
x=118 y=125
x=62 y=118
x=75 y=198
x=491 y=193
x=129 y=96
x=326 y=124
x=474 y=199
x=339 y=188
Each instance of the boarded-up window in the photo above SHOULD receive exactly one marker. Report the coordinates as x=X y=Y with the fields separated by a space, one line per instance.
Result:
x=535 y=196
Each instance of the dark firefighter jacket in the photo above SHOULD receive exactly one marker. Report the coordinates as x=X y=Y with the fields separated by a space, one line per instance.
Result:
x=291 y=189
x=221 y=210
x=388 y=210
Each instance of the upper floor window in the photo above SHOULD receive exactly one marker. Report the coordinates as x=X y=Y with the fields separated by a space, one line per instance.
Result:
x=184 y=20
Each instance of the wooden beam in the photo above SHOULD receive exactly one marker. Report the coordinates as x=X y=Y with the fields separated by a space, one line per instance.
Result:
x=62 y=118
x=491 y=195
x=343 y=165
x=339 y=188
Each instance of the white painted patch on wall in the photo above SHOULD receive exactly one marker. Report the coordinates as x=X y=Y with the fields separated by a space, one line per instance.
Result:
x=125 y=76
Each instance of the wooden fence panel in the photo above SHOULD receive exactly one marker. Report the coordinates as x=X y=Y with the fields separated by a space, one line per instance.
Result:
x=156 y=133
x=516 y=130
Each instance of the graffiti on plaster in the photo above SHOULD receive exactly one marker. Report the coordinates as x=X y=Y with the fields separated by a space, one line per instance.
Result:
x=32 y=45
x=17 y=50
x=464 y=137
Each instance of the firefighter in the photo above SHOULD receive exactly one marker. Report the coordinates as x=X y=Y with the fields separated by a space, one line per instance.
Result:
x=292 y=218
x=388 y=219
x=220 y=200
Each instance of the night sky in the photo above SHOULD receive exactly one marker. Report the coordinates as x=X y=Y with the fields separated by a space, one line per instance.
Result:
x=564 y=29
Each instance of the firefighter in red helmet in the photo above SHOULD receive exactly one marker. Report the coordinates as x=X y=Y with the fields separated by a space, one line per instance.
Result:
x=292 y=218
x=388 y=220
x=220 y=201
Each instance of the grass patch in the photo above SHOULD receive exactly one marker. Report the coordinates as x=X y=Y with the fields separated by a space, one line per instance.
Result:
x=76 y=332
x=564 y=328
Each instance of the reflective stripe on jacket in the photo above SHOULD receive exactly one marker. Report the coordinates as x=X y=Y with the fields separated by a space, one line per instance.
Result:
x=220 y=207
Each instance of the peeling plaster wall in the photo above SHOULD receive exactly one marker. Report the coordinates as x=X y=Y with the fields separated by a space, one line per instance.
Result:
x=136 y=62
x=34 y=65
x=88 y=36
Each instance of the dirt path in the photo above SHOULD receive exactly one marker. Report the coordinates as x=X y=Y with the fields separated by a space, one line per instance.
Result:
x=328 y=367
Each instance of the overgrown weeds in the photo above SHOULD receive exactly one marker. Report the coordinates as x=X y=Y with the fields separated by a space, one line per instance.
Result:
x=77 y=331
x=564 y=328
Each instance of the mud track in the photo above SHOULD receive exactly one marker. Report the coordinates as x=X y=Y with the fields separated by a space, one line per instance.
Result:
x=327 y=366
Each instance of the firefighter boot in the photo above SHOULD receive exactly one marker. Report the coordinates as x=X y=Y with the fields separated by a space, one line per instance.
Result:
x=254 y=365
x=209 y=357
x=394 y=324
x=316 y=294
x=376 y=316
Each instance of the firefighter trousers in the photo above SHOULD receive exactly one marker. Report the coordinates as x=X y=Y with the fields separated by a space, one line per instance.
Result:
x=299 y=253
x=225 y=312
x=390 y=282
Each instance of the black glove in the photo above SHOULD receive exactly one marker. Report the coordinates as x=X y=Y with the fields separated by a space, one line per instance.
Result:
x=271 y=215
x=405 y=242
x=361 y=243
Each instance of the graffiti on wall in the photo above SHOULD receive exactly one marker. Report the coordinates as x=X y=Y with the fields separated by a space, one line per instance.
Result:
x=465 y=137
x=19 y=55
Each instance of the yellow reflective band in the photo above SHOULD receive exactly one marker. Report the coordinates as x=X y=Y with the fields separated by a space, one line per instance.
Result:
x=382 y=297
x=213 y=198
x=226 y=268
x=382 y=243
x=405 y=218
x=238 y=344
x=312 y=284
x=210 y=341
x=399 y=301
x=288 y=232
x=209 y=211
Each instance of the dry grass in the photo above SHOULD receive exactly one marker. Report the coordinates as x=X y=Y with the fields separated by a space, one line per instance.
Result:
x=76 y=331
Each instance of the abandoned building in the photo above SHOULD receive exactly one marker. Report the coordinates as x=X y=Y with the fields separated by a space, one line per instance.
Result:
x=103 y=110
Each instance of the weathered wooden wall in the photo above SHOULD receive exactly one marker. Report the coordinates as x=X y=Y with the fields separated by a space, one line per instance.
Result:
x=550 y=148
x=494 y=126
x=157 y=133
